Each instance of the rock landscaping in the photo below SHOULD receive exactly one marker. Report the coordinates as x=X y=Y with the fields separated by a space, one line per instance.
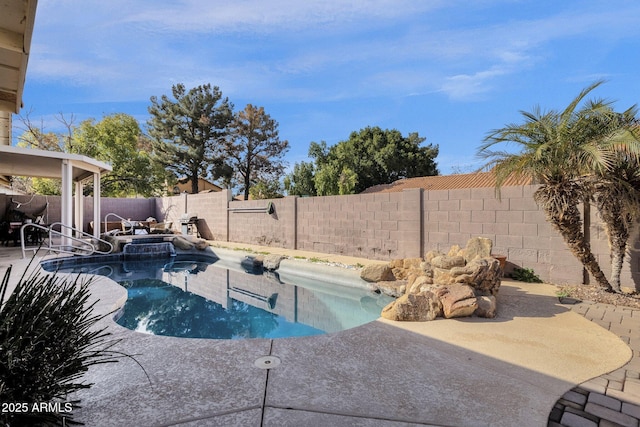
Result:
x=463 y=282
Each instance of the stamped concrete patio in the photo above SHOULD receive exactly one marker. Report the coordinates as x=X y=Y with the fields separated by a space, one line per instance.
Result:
x=506 y=371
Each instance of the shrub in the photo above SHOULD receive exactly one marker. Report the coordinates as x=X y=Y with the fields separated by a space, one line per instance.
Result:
x=525 y=275
x=48 y=340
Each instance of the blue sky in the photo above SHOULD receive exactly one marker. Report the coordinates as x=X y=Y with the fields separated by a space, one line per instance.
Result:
x=450 y=70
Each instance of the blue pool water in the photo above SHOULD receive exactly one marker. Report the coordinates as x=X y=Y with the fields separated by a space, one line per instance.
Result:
x=192 y=298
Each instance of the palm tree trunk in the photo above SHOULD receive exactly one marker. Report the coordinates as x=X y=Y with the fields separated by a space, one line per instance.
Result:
x=617 y=260
x=612 y=212
x=569 y=225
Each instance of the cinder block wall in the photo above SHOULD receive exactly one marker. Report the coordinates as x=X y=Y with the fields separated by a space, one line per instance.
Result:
x=169 y=209
x=378 y=226
x=250 y=223
x=374 y=226
x=512 y=221
x=211 y=208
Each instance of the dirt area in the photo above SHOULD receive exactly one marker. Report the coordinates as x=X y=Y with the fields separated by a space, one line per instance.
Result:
x=598 y=294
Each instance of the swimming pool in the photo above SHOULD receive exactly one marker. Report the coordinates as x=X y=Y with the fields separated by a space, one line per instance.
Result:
x=200 y=297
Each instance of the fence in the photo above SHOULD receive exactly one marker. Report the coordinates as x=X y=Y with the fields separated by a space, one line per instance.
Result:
x=382 y=226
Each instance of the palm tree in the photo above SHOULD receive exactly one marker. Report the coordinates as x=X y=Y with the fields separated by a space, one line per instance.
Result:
x=560 y=151
x=615 y=184
x=614 y=194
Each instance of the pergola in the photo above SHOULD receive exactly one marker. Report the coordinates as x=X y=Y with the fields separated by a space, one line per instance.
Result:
x=17 y=18
x=72 y=169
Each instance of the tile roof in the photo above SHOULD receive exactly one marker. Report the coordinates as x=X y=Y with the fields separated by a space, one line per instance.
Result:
x=446 y=182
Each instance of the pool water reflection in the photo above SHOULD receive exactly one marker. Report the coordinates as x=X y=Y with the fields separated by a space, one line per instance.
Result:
x=198 y=299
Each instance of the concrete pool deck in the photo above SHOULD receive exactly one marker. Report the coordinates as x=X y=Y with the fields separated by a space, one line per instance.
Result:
x=506 y=371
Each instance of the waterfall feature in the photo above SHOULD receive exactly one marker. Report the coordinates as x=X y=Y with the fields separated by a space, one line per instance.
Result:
x=149 y=250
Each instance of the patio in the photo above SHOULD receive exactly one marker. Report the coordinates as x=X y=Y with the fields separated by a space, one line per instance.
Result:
x=506 y=371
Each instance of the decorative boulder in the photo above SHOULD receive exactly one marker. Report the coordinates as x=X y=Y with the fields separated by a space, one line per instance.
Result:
x=182 y=243
x=464 y=282
x=431 y=255
x=409 y=263
x=396 y=263
x=393 y=288
x=377 y=273
x=421 y=284
x=400 y=273
x=447 y=262
x=271 y=262
x=486 y=307
x=454 y=251
x=420 y=307
x=443 y=277
x=478 y=247
x=458 y=301
x=201 y=245
x=485 y=275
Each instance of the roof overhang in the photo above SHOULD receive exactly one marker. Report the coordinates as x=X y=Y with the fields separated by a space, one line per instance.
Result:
x=18 y=161
x=16 y=28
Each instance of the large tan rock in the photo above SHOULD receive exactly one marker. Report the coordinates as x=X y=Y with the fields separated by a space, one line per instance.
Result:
x=458 y=301
x=447 y=262
x=400 y=273
x=376 y=273
x=487 y=307
x=478 y=247
x=201 y=245
x=454 y=250
x=182 y=243
x=409 y=263
x=393 y=288
x=421 y=284
x=271 y=262
x=442 y=277
x=413 y=274
x=420 y=307
x=427 y=268
x=396 y=263
x=484 y=274
x=431 y=255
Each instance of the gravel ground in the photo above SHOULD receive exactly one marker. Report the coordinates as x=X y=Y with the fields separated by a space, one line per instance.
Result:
x=597 y=294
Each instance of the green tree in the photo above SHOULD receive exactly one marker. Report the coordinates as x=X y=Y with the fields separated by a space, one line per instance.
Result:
x=266 y=189
x=47 y=186
x=300 y=181
x=561 y=151
x=118 y=140
x=370 y=157
x=189 y=131
x=37 y=138
x=254 y=147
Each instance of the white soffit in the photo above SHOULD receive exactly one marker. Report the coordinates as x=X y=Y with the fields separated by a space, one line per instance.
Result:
x=17 y=19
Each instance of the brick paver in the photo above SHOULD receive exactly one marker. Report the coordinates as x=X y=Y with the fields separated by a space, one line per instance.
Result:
x=612 y=399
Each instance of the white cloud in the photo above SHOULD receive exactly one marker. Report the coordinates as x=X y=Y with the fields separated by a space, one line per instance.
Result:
x=131 y=50
x=276 y=15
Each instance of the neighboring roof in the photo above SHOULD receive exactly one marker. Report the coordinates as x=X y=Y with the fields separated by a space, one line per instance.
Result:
x=18 y=161
x=446 y=182
x=184 y=184
x=16 y=28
